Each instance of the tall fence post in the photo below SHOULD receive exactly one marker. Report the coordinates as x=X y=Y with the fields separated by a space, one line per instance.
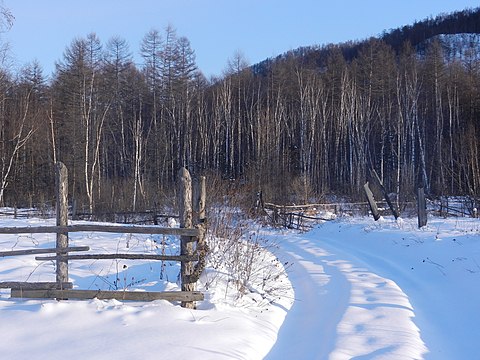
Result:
x=200 y=222
x=186 y=221
x=61 y=192
x=201 y=200
x=422 y=208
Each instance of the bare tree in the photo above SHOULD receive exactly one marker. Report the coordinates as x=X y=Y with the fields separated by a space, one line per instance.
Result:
x=18 y=136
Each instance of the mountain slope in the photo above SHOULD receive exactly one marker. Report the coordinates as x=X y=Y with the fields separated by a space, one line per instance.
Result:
x=461 y=22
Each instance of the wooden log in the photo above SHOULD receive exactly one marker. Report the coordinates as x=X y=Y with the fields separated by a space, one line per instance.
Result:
x=34 y=285
x=182 y=258
x=120 y=229
x=371 y=202
x=183 y=296
x=61 y=192
x=186 y=221
x=43 y=251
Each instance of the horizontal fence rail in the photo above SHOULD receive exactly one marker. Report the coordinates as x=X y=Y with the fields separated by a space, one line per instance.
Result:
x=101 y=228
x=34 y=285
x=43 y=251
x=187 y=296
x=181 y=258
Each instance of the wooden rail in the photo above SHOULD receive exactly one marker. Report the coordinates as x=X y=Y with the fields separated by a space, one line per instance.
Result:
x=182 y=258
x=310 y=206
x=100 y=228
x=34 y=285
x=184 y=296
x=43 y=251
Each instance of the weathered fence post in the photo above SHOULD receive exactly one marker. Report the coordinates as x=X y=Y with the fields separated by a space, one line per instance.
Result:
x=199 y=199
x=74 y=209
x=422 y=208
x=199 y=205
x=371 y=202
x=392 y=207
x=259 y=205
x=186 y=221
x=61 y=192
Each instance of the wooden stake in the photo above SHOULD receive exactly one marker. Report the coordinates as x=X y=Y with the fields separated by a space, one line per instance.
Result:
x=186 y=221
x=199 y=204
x=61 y=192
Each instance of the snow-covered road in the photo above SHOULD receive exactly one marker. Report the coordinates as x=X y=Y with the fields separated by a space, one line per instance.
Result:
x=343 y=309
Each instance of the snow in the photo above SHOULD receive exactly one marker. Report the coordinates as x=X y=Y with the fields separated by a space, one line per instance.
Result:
x=384 y=290
x=361 y=289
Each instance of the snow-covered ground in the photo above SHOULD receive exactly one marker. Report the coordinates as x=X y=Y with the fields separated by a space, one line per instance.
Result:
x=361 y=289
x=384 y=290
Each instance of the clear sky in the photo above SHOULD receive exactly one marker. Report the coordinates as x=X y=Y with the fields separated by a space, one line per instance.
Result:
x=259 y=29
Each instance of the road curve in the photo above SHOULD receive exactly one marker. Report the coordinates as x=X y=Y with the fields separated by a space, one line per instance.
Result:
x=342 y=309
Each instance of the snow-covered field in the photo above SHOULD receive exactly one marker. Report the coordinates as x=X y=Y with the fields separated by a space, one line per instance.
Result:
x=361 y=289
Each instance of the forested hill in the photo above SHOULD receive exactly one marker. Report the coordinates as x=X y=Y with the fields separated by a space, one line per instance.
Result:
x=309 y=123
x=418 y=34
x=460 y=22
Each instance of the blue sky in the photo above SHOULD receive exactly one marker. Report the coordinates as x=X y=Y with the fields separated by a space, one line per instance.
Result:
x=259 y=29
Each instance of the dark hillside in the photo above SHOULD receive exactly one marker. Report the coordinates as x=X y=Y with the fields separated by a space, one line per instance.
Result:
x=460 y=22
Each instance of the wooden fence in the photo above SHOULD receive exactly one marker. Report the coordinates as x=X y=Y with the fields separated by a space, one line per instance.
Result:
x=192 y=243
x=302 y=217
x=298 y=217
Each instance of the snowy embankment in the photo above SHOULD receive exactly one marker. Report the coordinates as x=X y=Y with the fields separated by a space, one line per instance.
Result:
x=223 y=327
x=362 y=289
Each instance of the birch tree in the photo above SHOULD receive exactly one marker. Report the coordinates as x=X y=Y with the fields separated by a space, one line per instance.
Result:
x=14 y=138
x=85 y=108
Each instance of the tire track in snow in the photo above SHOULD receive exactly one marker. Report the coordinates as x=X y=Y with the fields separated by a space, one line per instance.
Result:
x=321 y=298
x=342 y=310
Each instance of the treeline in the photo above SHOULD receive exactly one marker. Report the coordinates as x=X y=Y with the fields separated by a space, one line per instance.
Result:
x=295 y=131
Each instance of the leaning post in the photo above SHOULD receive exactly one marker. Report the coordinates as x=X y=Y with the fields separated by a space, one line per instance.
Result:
x=392 y=207
x=61 y=192
x=371 y=201
x=186 y=221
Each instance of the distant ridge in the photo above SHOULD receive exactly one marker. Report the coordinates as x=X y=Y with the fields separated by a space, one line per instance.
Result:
x=460 y=22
